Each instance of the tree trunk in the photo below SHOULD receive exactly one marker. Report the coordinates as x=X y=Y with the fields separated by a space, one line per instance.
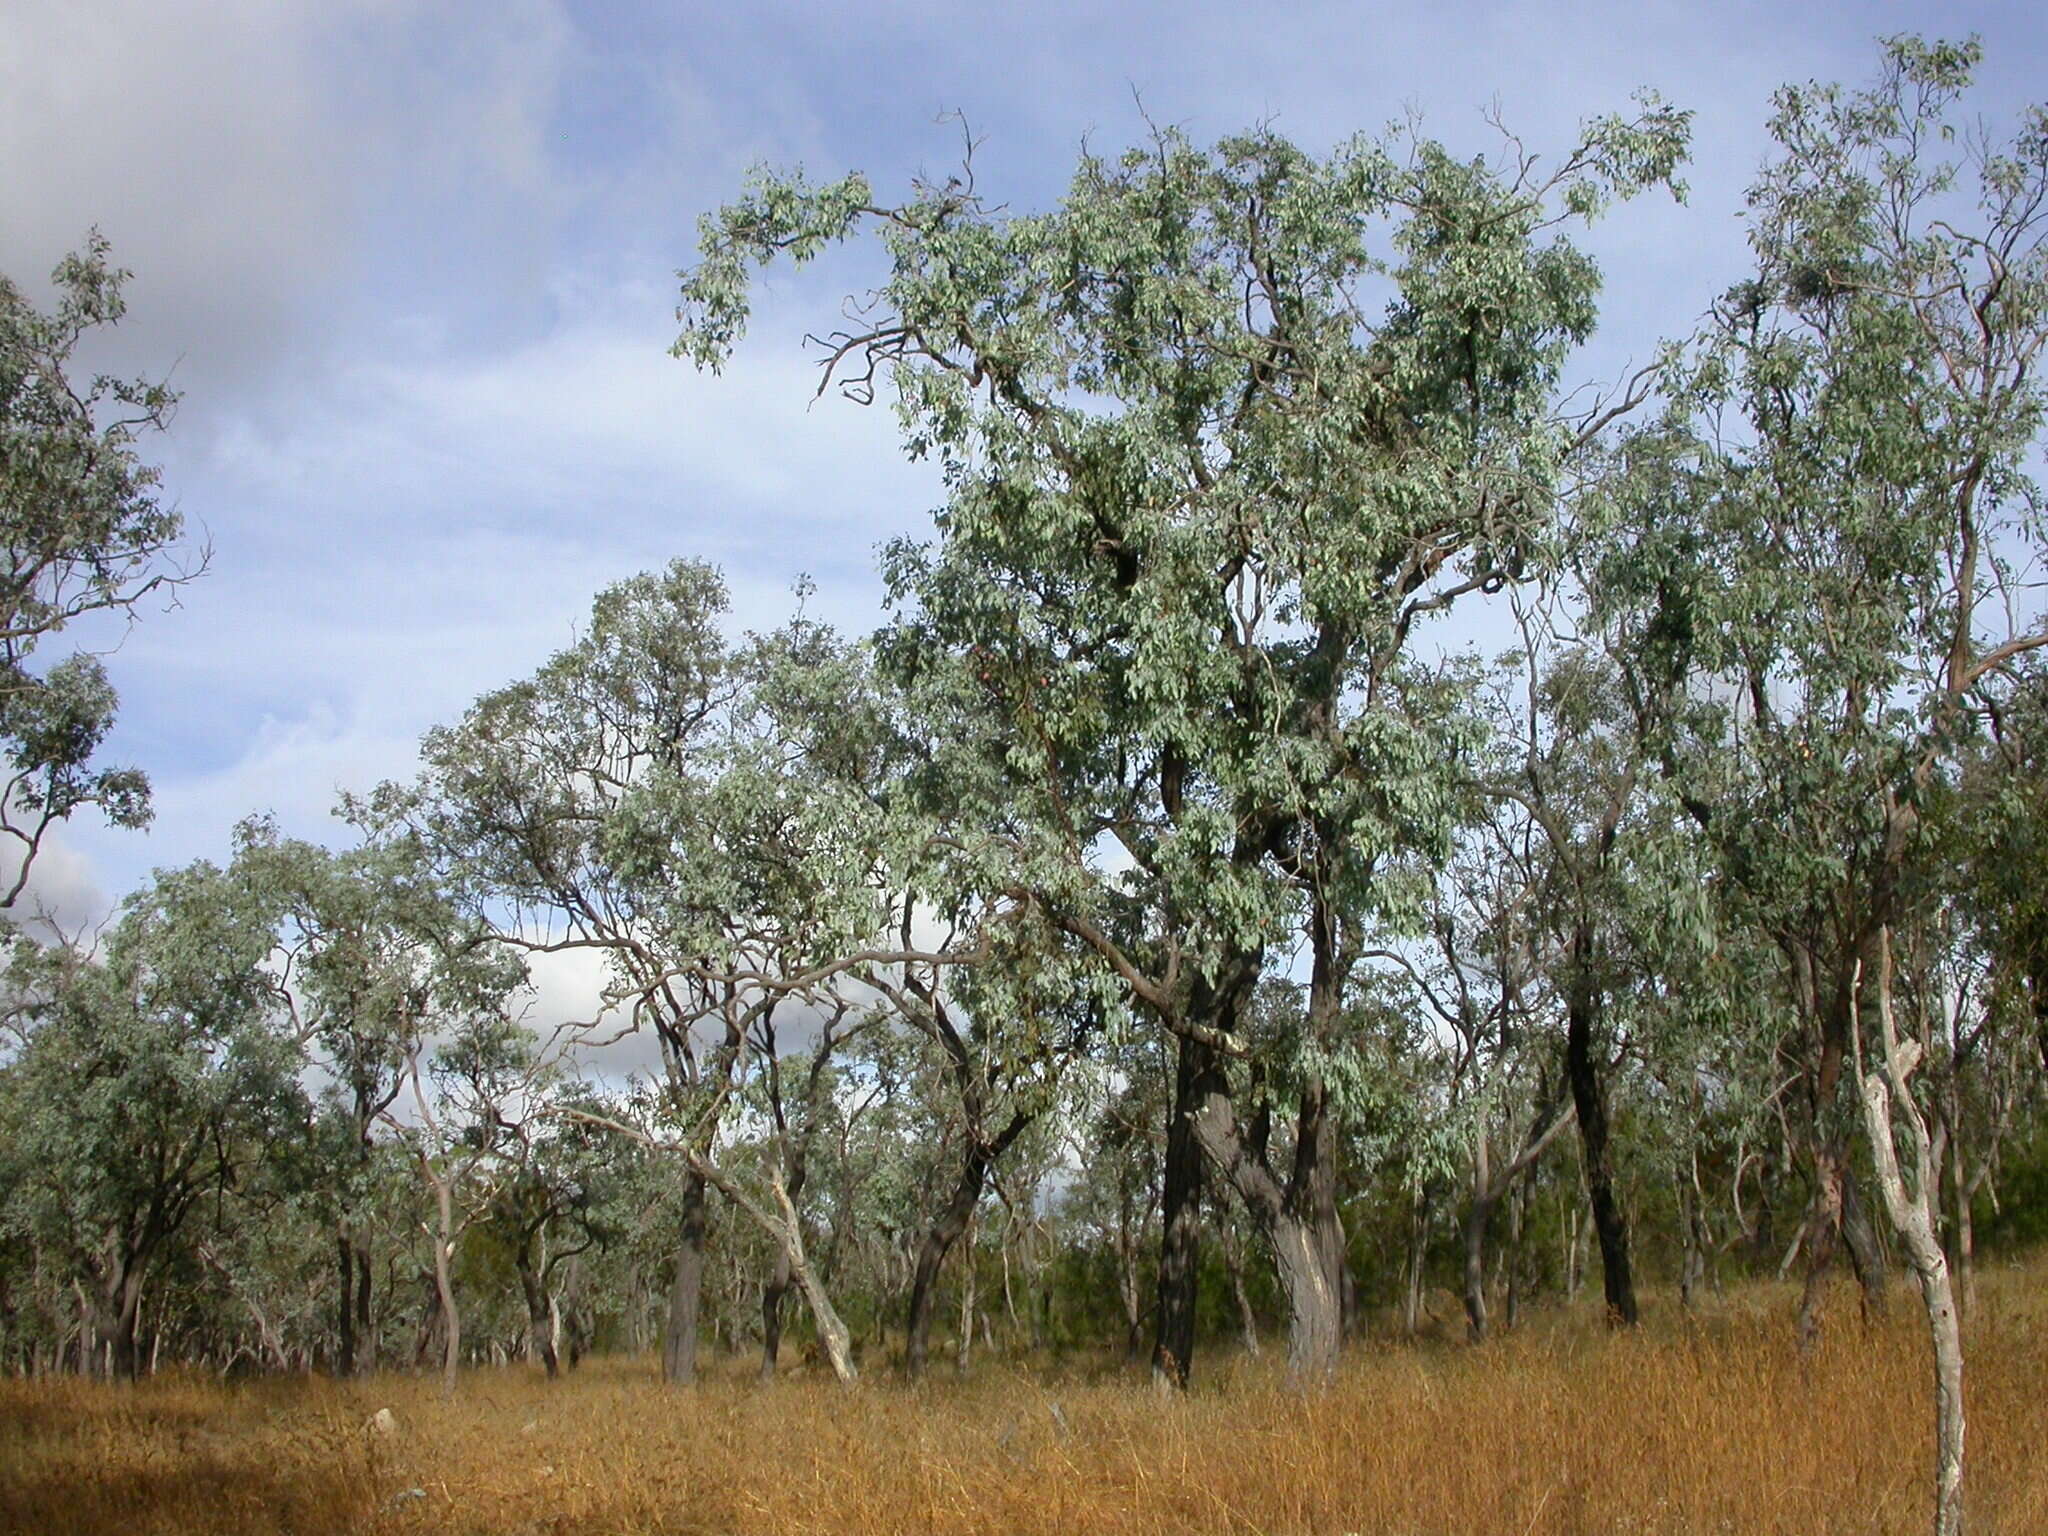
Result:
x=444 y=1285
x=345 y=1317
x=1888 y=1106
x=1180 y=1208
x=686 y=1290
x=938 y=1241
x=1418 y=1259
x=1477 y=1218
x=540 y=1323
x=773 y=1292
x=963 y=1346
x=1589 y=1098
x=1314 y=1308
x=122 y=1311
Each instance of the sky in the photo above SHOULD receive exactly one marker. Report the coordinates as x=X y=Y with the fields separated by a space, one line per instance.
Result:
x=413 y=267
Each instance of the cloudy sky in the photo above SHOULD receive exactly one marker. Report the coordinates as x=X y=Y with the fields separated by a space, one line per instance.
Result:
x=412 y=267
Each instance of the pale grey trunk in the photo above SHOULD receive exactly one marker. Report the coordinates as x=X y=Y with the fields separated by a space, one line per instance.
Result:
x=1888 y=1110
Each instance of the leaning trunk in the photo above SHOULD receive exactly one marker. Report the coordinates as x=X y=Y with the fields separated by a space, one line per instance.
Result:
x=931 y=1255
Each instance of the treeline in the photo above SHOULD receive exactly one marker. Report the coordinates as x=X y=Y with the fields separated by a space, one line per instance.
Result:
x=1164 y=926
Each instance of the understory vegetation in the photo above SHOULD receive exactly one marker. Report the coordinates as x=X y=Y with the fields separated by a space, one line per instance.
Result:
x=1703 y=1422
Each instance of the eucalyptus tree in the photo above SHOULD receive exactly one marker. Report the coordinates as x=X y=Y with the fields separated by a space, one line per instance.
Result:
x=82 y=533
x=148 y=1077
x=370 y=950
x=517 y=805
x=703 y=815
x=1220 y=432
x=1837 y=531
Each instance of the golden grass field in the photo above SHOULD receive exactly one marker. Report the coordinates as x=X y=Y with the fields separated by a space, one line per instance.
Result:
x=1703 y=1424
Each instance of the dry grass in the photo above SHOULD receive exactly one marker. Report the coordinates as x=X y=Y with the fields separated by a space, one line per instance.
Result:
x=1707 y=1425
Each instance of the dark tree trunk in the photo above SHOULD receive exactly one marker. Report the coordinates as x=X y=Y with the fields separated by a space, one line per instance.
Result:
x=121 y=1309
x=355 y=1348
x=1589 y=1097
x=539 y=1324
x=345 y=1317
x=773 y=1292
x=1195 y=1077
x=938 y=1241
x=686 y=1291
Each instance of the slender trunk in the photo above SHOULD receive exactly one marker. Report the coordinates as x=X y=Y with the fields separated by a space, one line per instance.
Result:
x=1518 y=1200
x=345 y=1318
x=1889 y=1108
x=1692 y=1262
x=1232 y=1247
x=1418 y=1259
x=1180 y=1210
x=1589 y=1098
x=444 y=1285
x=686 y=1290
x=1127 y=1292
x=776 y=1289
x=1966 y=1234
x=938 y=1241
x=1477 y=1217
x=963 y=1347
x=773 y=1293
x=832 y=1335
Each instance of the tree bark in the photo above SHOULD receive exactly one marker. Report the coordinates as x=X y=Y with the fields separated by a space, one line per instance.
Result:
x=444 y=1285
x=679 y=1341
x=540 y=1316
x=1180 y=1209
x=1889 y=1106
x=938 y=1241
x=1589 y=1099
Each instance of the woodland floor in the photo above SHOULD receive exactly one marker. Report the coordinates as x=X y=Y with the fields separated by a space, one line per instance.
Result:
x=1711 y=1423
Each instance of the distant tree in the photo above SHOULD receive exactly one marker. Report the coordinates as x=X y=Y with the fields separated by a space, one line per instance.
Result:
x=148 y=1078
x=81 y=532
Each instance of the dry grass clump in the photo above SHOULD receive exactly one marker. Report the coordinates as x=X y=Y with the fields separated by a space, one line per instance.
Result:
x=1707 y=1424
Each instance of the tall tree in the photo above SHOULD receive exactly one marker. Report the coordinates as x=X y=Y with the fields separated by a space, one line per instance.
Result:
x=1822 y=554
x=81 y=532
x=1220 y=432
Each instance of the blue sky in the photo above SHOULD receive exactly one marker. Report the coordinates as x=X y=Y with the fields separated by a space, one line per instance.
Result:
x=413 y=265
